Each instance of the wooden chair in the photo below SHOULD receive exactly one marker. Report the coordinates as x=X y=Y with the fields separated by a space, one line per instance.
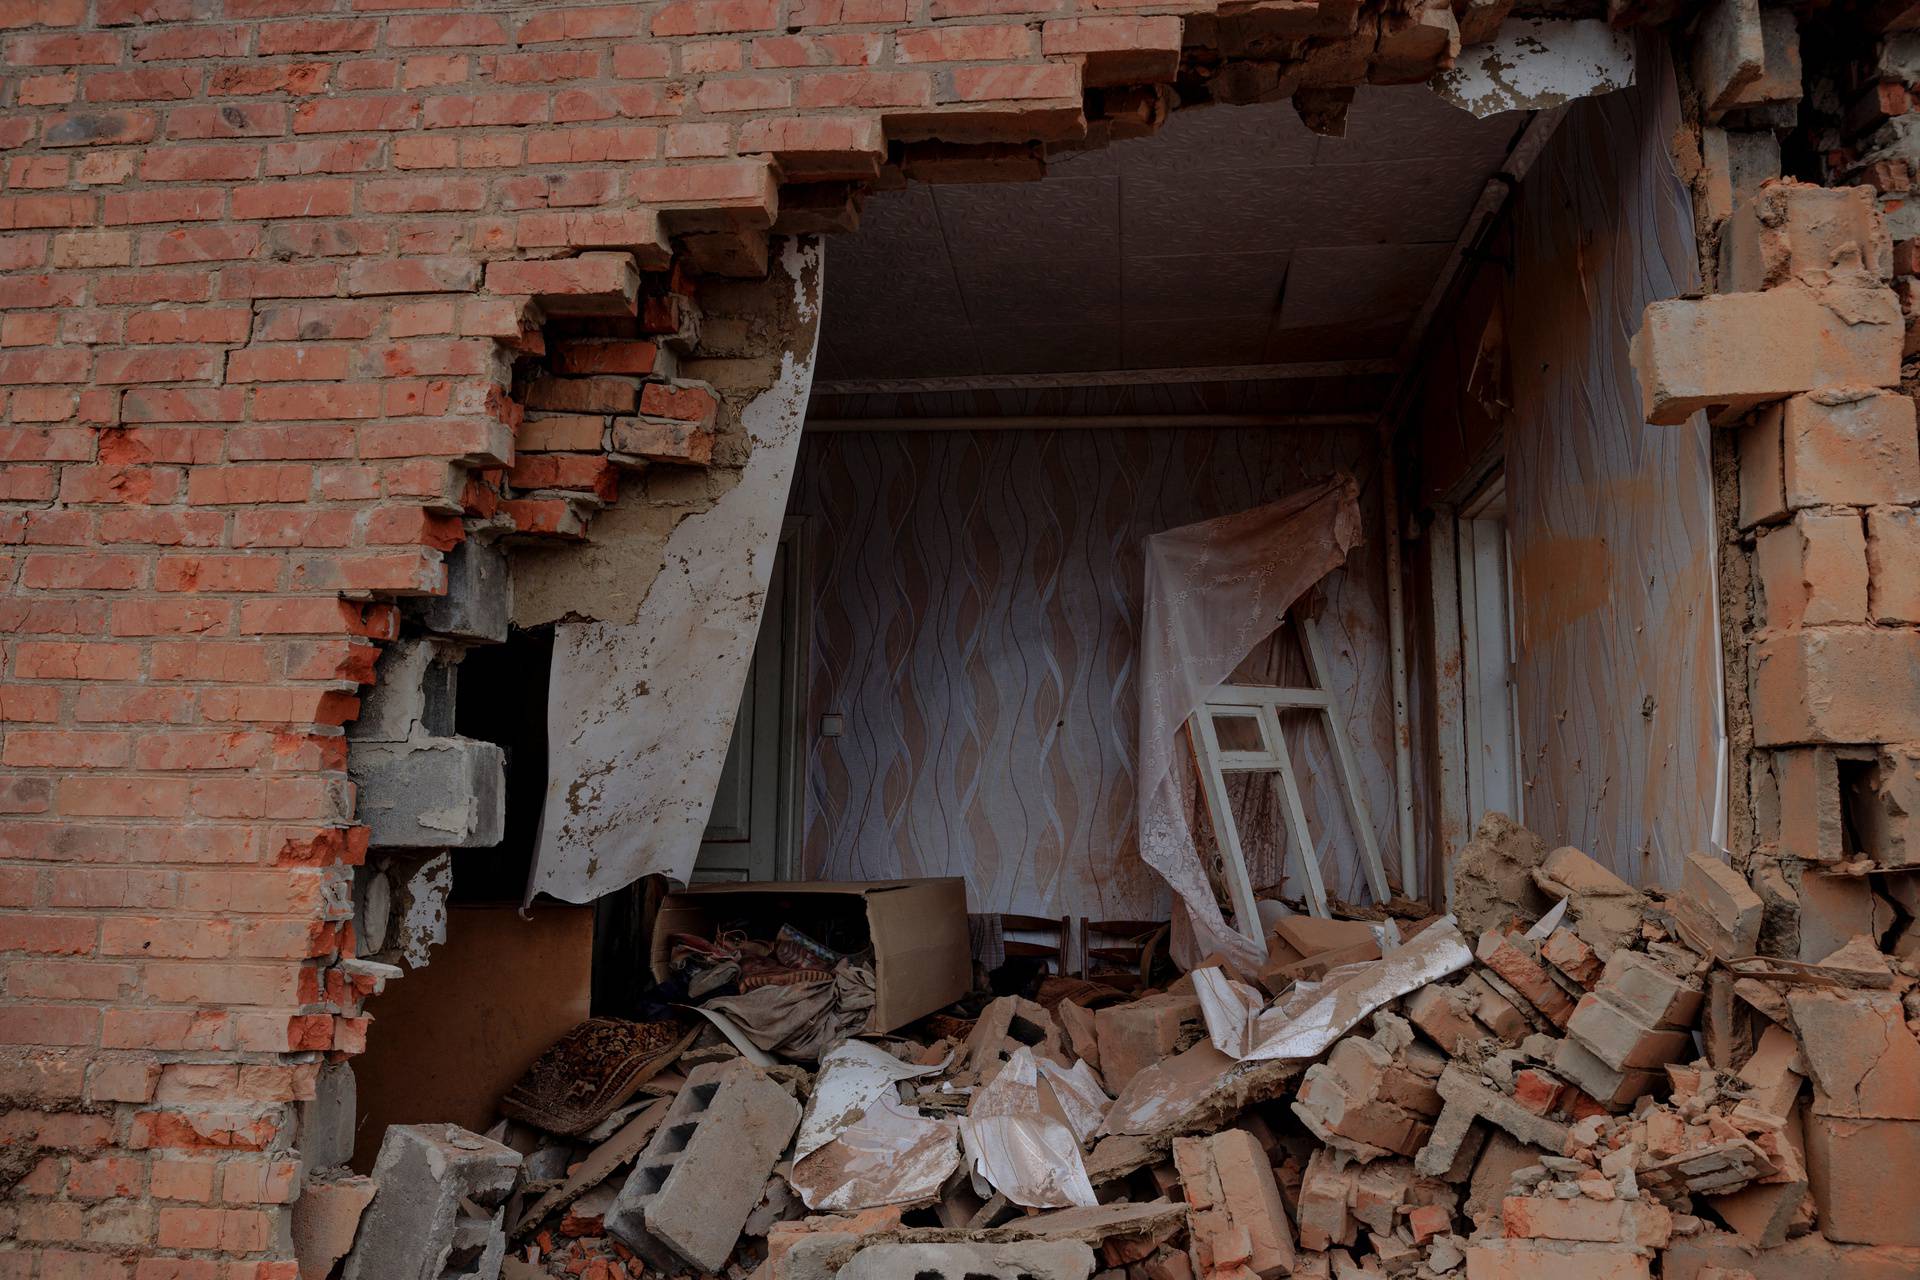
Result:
x=1058 y=952
x=1114 y=951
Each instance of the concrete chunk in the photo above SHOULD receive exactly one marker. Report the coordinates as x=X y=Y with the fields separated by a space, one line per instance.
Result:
x=435 y=1182
x=693 y=1188
x=1467 y=1100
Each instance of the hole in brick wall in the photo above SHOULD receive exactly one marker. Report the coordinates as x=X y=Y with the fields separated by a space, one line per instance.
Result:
x=1859 y=823
x=504 y=701
x=703 y=1095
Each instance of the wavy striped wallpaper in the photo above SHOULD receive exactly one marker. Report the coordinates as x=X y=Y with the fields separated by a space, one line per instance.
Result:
x=975 y=611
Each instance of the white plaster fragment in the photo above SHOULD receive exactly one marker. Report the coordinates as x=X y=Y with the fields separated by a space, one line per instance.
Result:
x=424 y=924
x=1535 y=63
x=639 y=714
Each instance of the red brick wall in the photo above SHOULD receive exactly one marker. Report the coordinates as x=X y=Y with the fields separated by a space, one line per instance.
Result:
x=264 y=265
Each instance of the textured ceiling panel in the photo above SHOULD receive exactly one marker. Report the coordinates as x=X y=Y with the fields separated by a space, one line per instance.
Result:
x=1233 y=236
x=1203 y=284
x=1337 y=286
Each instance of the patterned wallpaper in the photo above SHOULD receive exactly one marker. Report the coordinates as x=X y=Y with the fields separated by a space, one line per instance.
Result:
x=976 y=603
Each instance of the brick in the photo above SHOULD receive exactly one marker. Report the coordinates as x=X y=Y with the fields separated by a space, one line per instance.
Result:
x=692 y=1188
x=591 y=284
x=1849 y=448
x=1139 y=1033
x=655 y=440
x=819 y=148
x=1229 y=1188
x=1117 y=49
x=1741 y=350
x=1642 y=1222
x=1515 y=959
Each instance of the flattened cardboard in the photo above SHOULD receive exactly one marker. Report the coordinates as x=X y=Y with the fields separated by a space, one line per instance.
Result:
x=922 y=958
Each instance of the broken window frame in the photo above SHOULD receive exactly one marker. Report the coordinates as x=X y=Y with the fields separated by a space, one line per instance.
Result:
x=1263 y=704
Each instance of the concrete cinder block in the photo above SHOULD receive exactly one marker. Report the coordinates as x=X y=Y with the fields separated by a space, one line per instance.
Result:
x=326 y=1120
x=1621 y=1040
x=417 y=1225
x=1886 y=804
x=479 y=599
x=1849 y=449
x=432 y=793
x=693 y=1188
x=412 y=694
x=1653 y=993
x=1796 y=231
x=1729 y=53
x=1763 y=486
x=1716 y=909
x=1835 y=685
x=1813 y=571
x=1612 y=1089
x=1855 y=1167
x=1807 y=784
x=1893 y=564
x=1740 y=350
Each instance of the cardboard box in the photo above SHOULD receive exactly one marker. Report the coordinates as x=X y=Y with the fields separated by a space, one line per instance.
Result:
x=450 y=1039
x=918 y=928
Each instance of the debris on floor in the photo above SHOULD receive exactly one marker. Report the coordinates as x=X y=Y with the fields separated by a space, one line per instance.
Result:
x=1594 y=1082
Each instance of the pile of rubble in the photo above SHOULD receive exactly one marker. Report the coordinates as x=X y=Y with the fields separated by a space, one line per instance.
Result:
x=1570 y=1080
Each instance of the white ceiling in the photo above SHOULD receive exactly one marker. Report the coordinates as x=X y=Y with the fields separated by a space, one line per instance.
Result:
x=1231 y=237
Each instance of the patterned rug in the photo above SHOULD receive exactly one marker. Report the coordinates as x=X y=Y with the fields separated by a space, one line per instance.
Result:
x=591 y=1070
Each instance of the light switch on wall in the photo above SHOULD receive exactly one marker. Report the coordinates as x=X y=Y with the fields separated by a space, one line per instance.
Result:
x=832 y=725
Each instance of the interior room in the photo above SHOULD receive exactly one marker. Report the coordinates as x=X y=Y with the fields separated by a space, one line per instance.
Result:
x=1019 y=382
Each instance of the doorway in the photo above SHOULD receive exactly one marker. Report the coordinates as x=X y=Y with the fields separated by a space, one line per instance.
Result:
x=753 y=829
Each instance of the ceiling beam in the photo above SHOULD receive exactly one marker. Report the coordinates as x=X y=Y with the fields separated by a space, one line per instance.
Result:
x=1106 y=378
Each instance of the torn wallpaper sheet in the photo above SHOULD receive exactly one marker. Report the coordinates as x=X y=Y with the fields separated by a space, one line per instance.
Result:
x=1024 y=1128
x=1077 y=1095
x=891 y=1155
x=1033 y=1160
x=1308 y=1019
x=639 y=714
x=1214 y=591
x=851 y=1079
